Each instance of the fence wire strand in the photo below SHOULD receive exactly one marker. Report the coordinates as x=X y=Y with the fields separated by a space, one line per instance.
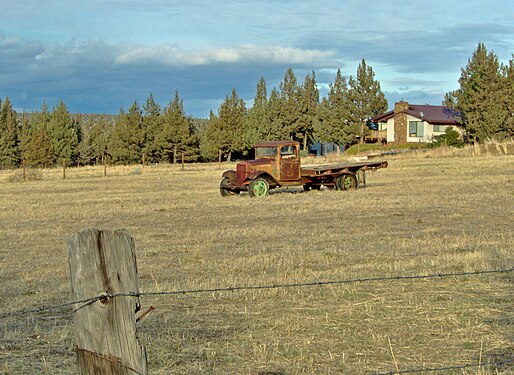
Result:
x=88 y=301
x=446 y=368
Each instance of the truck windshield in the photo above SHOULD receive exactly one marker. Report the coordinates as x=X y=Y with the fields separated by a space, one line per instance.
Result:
x=263 y=152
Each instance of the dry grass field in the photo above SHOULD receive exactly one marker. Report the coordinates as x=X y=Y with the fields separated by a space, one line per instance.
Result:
x=436 y=212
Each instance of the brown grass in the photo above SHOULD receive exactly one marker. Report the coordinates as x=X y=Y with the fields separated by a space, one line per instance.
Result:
x=424 y=214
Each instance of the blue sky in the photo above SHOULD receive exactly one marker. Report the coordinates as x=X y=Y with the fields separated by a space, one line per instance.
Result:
x=98 y=56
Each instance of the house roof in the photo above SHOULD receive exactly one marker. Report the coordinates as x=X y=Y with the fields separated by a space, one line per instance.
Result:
x=435 y=114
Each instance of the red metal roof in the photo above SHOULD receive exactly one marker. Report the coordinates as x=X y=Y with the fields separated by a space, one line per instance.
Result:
x=434 y=114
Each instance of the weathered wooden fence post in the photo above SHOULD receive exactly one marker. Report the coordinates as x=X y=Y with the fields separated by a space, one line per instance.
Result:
x=103 y=264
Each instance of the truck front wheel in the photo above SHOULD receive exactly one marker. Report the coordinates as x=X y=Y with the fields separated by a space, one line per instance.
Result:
x=346 y=181
x=258 y=188
x=224 y=191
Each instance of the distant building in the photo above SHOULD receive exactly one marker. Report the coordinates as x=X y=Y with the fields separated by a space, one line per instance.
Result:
x=412 y=123
x=322 y=149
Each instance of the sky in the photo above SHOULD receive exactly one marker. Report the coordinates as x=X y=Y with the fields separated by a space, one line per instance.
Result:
x=98 y=56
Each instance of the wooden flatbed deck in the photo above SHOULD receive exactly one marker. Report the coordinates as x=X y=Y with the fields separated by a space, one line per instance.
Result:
x=323 y=169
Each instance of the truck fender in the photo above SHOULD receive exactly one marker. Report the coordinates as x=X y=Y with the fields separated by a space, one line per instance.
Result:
x=271 y=180
x=230 y=174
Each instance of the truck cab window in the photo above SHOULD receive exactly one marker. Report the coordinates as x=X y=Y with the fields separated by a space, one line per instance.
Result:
x=288 y=152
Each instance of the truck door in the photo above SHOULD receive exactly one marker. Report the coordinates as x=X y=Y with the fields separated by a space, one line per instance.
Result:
x=289 y=163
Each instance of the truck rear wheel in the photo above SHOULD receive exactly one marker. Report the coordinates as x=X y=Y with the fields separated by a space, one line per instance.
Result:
x=346 y=181
x=258 y=188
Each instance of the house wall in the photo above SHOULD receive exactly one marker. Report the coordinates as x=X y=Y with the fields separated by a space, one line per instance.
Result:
x=429 y=132
x=398 y=127
x=390 y=130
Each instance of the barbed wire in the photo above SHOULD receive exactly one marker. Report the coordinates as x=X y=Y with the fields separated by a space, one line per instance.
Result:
x=91 y=300
x=446 y=368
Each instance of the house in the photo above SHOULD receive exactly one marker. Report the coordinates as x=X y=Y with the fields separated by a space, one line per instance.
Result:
x=409 y=123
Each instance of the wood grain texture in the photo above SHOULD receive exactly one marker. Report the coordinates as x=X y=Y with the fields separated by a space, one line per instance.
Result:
x=103 y=263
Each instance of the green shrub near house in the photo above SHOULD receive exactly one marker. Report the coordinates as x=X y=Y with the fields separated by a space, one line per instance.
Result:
x=450 y=138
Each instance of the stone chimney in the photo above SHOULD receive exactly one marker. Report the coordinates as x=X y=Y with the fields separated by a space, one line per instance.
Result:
x=400 y=122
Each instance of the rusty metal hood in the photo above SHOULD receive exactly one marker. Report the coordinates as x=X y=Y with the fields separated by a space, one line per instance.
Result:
x=245 y=168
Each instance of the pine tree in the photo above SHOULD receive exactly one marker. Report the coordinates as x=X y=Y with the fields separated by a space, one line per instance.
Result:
x=25 y=135
x=309 y=101
x=510 y=99
x=127 y=139
x=39 y=151
x=483 y=97
x=95 y=138
x=212 y=142
x=175 y=135
x=36 y=145
x=290 y=97
x=256 y=122
x=332 y=125
x=274 y=125
x=64 y=133
x=9 y=136
x=232 y=113
x=366 y=99
x=152 y=126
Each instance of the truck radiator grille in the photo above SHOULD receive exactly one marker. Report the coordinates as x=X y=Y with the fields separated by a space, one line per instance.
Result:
x=241 y=173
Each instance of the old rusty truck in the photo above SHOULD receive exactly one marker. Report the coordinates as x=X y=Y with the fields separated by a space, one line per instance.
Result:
x=277 y=164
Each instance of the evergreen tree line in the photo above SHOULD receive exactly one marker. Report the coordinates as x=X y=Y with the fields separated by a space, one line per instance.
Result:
x=485 y=98
x=295 y=111
x=49 y=138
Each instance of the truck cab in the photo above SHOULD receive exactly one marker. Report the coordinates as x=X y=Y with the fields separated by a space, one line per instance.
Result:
x=282 y=157
x=276 y=163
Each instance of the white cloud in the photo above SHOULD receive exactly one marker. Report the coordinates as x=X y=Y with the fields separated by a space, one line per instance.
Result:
x=174 y=56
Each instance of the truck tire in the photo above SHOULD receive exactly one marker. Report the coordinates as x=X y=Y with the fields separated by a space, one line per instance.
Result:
x=346 y=181
x=223 y=188
x=258 y=188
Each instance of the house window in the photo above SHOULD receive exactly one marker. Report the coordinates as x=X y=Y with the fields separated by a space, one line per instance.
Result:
x=439 y=128
x=416 y=129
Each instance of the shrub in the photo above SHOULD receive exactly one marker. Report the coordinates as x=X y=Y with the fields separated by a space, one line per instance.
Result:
x=30 y=175
x=450 y=138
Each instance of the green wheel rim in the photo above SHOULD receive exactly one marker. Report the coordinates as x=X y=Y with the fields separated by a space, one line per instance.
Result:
x=346 y=182
x=260 y=188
